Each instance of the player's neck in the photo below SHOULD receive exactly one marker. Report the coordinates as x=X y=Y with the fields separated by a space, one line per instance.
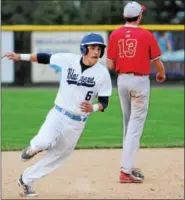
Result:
x=86 y=62
x=132 y=24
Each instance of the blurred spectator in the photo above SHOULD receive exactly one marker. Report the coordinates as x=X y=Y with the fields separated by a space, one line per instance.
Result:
x=170 y=51
x=165 y=41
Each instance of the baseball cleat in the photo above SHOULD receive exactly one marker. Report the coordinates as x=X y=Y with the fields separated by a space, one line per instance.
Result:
x=137 y=172
x=134 y=177
x=27 y=190
x=27 y=154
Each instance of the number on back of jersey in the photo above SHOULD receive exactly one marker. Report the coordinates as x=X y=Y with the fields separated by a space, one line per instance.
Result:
x=127 y=48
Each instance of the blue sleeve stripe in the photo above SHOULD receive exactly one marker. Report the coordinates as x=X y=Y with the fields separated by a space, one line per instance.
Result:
x=55 y=67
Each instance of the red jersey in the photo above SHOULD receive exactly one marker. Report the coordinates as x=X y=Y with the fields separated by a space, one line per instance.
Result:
x=132 y=48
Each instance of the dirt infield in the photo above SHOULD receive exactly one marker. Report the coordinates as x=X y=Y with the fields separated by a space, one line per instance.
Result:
x=93 y=174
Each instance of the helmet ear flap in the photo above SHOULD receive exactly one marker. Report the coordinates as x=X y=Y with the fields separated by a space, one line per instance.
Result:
x=102 y=52
x=83 y=49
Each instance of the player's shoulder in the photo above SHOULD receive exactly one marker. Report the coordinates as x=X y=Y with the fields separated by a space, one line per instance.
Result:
x=59 y=55
x=103 y=70
x=147 y=32
x=116 y=31
x=66 y=56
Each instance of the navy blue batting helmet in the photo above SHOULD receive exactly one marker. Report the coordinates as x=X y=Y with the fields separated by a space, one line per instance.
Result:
x=92 y=38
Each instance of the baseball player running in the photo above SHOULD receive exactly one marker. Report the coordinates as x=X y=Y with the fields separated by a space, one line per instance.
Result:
x=83 y=79
x=130 y=52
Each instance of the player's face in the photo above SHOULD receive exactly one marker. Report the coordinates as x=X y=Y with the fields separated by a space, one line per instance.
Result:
x=94 y=52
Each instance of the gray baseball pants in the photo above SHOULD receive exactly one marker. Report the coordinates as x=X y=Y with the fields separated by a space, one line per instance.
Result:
x=134 y=92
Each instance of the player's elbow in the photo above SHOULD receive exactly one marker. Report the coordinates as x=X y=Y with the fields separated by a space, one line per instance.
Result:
x=43 y=58
x=111 y=64
x=103 y=101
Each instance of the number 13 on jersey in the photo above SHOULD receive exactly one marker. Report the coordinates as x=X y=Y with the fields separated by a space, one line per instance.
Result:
x=127 y=47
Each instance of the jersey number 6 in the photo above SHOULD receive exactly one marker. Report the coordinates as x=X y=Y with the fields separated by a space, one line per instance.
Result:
x=89 y=95
x=127 y=48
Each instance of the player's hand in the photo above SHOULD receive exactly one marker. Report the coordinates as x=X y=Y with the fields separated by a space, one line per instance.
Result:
x=160 y=77
x=12 y=56
x=86 y=107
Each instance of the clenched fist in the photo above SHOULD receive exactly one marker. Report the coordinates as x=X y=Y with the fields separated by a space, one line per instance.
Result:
x=160 y=77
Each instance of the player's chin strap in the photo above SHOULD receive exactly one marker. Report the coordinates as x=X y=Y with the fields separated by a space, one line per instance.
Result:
x=95 y=107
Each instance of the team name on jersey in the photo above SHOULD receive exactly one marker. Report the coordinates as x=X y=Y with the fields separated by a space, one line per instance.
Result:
x=74 y=78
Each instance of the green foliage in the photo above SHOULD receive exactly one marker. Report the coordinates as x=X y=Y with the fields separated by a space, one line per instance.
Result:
x=169 y=12
x=48 y=12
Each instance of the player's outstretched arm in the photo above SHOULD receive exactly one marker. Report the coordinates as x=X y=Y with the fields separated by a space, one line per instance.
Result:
x=20 y=57
x=43 y=58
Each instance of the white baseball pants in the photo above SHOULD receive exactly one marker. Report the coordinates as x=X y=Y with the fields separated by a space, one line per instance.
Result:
x=134 y=94
x=59 y=135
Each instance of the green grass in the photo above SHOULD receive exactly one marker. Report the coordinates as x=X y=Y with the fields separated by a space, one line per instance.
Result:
x=23 y=112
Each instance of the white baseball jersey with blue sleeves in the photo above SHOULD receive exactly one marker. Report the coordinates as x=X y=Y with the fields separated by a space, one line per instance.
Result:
x=77 y=86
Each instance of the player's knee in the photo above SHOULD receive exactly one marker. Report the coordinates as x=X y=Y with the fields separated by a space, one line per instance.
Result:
x=138 y=116
x=43 y=145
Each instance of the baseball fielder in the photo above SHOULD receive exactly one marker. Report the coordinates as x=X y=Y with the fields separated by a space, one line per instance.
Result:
x=130 y=52
x=83 y=79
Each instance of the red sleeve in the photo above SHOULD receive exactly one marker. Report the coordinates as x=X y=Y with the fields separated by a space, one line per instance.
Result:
x=154 y=48
x=111 y=50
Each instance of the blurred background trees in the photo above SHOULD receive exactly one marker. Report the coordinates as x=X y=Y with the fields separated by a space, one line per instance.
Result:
x=48 y=12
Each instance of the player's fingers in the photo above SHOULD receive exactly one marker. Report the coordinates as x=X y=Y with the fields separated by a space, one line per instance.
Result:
x=8 y=54
x=10 y=57
x=157 y=79
x=160 y=80
x=3 y=56
x=85 y=103
x=84 y=108
x=82 y=104
x=86 y=111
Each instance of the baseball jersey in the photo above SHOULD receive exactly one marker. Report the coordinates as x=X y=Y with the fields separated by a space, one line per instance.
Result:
x=77 y=86
x=132 y=48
